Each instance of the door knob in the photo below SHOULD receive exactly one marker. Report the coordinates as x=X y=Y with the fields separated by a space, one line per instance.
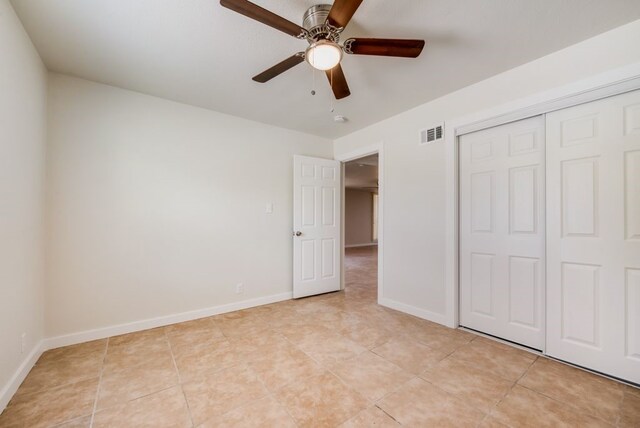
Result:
x=297 y=233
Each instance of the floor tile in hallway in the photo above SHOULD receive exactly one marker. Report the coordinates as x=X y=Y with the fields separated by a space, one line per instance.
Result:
x=333 y=360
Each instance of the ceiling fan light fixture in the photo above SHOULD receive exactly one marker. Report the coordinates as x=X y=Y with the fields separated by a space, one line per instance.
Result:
x=323 y=55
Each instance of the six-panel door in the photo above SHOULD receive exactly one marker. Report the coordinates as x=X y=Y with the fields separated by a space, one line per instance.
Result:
x=316 y=226
x=593 y=240
x=502 y=231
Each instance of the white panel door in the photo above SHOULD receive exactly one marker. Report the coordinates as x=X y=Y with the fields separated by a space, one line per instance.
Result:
x=593 y=235
x=502 y=231
x=316 y=226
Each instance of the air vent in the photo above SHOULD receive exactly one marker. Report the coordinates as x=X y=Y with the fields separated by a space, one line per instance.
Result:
x=432 y=134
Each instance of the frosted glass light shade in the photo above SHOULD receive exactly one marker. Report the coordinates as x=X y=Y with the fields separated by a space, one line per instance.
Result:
x=323 y=55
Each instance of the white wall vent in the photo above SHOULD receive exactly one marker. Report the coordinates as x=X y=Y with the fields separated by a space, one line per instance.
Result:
x=432 y=134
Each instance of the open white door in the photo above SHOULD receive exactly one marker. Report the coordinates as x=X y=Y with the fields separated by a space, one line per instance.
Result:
x=316 y=226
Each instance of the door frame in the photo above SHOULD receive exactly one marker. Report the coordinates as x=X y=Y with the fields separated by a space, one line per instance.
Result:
x=610 y=83
x=377 y=148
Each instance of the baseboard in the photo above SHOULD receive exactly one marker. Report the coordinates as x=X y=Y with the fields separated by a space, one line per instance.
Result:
x=102 y=333
x=18 y=377
x=412 y=310
x=371 y=244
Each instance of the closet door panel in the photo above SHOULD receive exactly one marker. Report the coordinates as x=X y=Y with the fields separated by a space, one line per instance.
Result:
x=593 y=238
x=502 y=231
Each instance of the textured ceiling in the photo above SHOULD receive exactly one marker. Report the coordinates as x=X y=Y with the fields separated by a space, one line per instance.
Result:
x=199 y=53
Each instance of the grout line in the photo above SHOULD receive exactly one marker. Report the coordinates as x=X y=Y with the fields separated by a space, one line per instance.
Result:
x=513 y=385
x=175 y=366
x=173 y=358
x=571 y=405
x=387 y=413
x=575 y=408
x=413 y=376
x=95 y=401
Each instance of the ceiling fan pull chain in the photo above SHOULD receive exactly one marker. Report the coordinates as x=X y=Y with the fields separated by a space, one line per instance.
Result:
x=331 y=107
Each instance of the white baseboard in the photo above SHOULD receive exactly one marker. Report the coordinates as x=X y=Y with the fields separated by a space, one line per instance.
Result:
x=102 y=333
x=371 y=244
x=412 y=310
x=14 y=383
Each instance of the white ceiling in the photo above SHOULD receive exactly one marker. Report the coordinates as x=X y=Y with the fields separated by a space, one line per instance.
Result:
x=200 y=53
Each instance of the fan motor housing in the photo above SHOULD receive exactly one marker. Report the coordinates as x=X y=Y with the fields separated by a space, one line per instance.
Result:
x=315 y=22
x=315 y=16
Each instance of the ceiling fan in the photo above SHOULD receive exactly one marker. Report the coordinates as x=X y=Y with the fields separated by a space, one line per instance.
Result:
x=321 y=27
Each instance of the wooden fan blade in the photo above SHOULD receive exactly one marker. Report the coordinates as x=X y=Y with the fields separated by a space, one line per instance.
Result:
x=260 y=14
x=338 y=82
x=407 y=48
x=342 y=11
x=280 y=68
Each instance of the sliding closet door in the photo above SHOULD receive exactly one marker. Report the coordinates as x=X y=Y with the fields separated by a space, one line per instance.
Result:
x=593 y=235
x=502 y=231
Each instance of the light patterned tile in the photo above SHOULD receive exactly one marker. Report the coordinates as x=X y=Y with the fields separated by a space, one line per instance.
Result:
x=470 y=384
x=139 y=338
x=320 y=400
x=286 y=365
x=525 y=408
x=437 y=339
x=54 y=372
x=371 y=417
x=218 y=393
x=136 y=348
x=186 y=337
x=242 y=326
x=633 y=390
x=365 y=334
x=332 y=348
x=247 y=368
x=163 y=409
x=411 y=356
x=203 y=361
x=301 y=334
x=594 y=394
x=51 y=406
x=420 y=404
x=266 y=413
x=198 y=325
x=84 y=422
x=630 y=411
x=371 y=375
x=119 y=385
x=491 y=422
x=510 y=364
x=74 y=351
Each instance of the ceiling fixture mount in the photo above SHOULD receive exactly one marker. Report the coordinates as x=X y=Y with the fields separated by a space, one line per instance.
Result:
x=321 y=27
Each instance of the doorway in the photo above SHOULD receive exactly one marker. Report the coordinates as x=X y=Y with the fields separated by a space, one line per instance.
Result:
x=360 y=225
x=365 y=258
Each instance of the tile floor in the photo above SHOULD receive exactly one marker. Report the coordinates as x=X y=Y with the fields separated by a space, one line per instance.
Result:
x=332 y=360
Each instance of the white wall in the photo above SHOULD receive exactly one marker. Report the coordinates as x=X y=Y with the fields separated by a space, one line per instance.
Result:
x=157 y=208
x=358 y=217
x=415 y=221
x=22 y=155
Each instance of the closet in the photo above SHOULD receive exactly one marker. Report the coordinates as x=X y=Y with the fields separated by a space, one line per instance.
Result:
x=550 y=234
